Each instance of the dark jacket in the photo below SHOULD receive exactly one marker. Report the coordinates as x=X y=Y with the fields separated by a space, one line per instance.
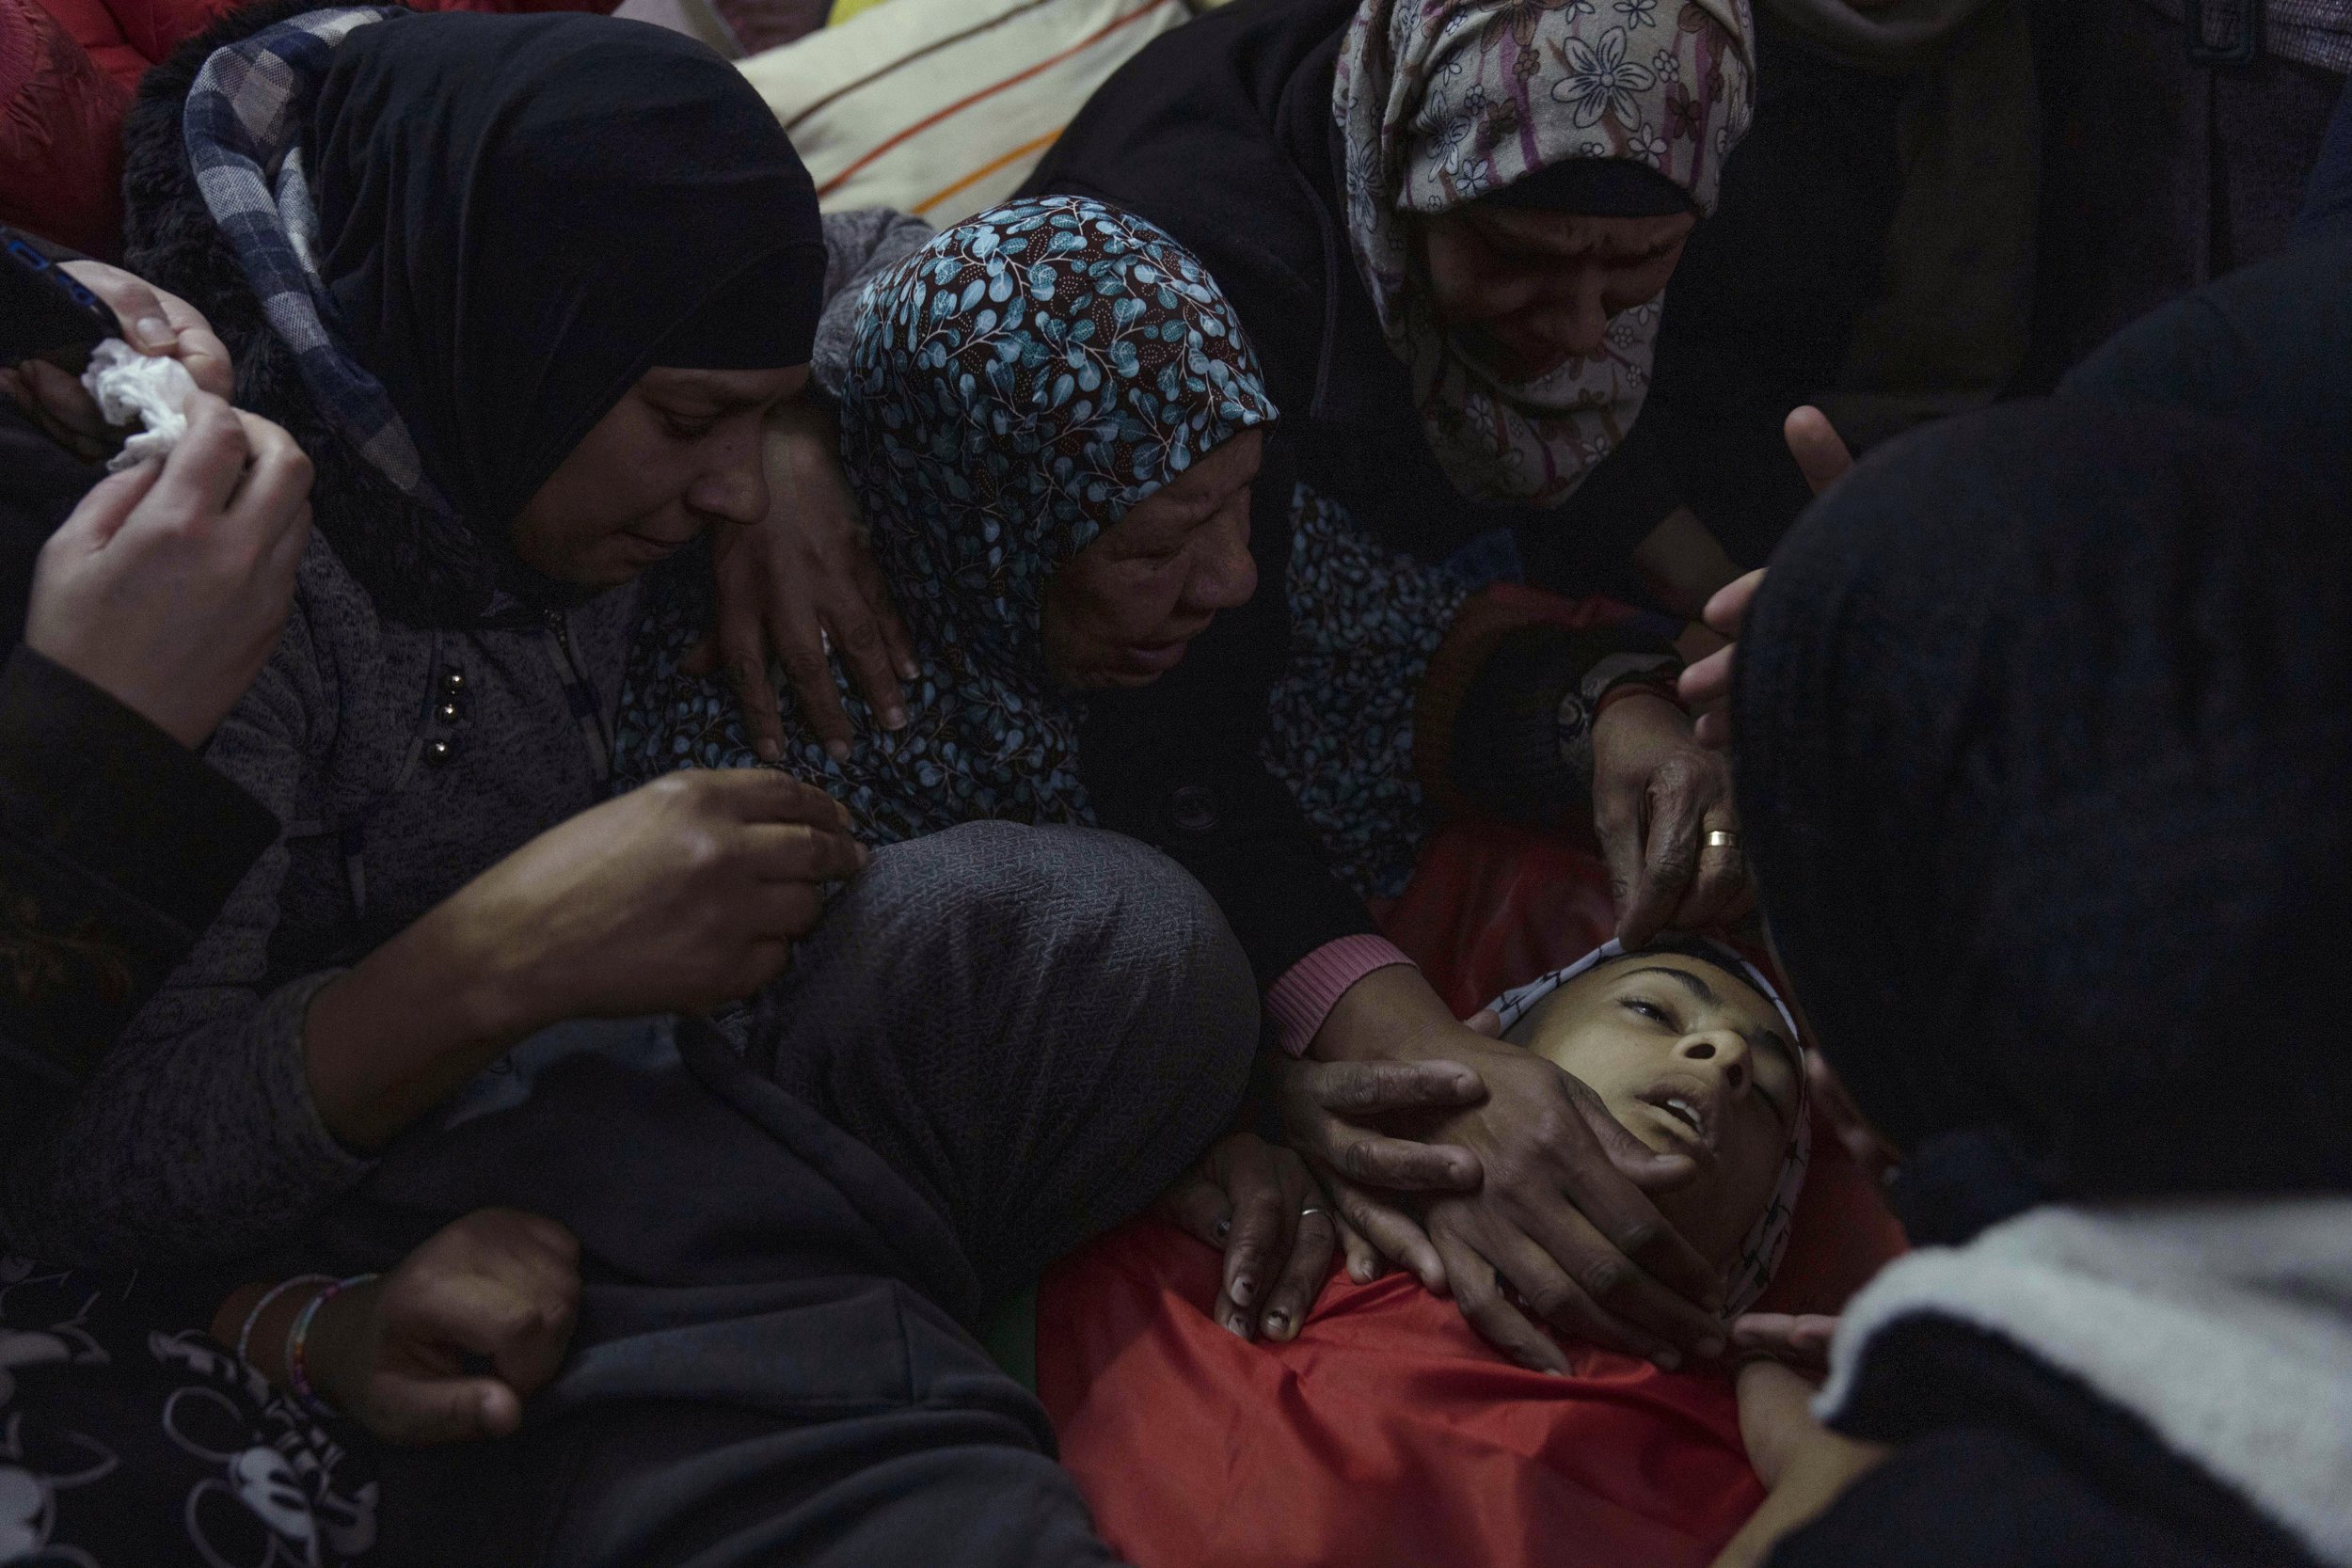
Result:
x=1222 y=134
x=118 y=844
x=2002 y=1459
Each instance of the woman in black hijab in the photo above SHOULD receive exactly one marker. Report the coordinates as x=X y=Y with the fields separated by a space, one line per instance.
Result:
x=2042 y=722
x=525 y=288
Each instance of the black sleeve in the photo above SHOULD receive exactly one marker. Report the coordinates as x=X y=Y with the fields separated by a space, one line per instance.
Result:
x=1178 y=763
x=2000 y=1458
x=118 y=847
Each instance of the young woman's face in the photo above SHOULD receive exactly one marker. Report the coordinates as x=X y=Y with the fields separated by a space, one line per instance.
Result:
x=1120 y=611
x=680 y=451
x=1690 y=1060
x=1524 y=291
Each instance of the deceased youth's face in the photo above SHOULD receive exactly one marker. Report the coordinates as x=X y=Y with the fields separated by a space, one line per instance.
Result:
x=1692 y=1060
x=680 y=451
x=1120 y=611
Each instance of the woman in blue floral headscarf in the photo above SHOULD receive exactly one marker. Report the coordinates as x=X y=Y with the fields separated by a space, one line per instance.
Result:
x=1018 y=386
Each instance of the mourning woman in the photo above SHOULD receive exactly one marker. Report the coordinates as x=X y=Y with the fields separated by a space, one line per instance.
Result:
x=526 y=288
x=1455 y=232
x=2041 y=720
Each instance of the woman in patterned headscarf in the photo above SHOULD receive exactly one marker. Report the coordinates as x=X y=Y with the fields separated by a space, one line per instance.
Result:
x=1520 y=181
x=1450 y=226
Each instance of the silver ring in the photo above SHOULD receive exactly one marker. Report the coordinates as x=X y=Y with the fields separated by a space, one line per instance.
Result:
x=1721 y=838
x=1315 y=1209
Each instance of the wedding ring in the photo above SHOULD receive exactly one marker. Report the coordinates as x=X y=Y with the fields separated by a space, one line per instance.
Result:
x=1719 y=838
x=1315 y=1209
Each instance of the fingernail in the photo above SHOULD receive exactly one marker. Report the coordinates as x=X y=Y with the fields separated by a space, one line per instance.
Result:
x=864 y=854
x=1359 y=1272
x=1224 y=1228
x=1277 y=1324
x=894 y=717
x=1244 y=1287
x=910 y=671
x=768 y=750
x=153 y=332
x=1666 y=1360
x=838 y=750
x=1238 y=1325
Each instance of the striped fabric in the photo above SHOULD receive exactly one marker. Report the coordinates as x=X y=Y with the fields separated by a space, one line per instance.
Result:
x=942 y=108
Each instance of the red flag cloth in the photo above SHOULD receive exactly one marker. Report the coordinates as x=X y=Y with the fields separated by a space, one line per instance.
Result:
x=1388 y=1433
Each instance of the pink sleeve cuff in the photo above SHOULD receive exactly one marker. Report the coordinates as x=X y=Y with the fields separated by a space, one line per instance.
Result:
x=1308 y=991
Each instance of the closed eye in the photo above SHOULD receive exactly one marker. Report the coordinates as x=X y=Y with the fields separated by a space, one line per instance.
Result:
x=1650 y=1010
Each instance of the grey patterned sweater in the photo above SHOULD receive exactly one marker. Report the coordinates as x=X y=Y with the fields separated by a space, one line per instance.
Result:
x=400 y=761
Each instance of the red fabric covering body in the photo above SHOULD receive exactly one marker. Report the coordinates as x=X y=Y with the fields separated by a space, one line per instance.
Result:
x=1388 y=1433
x=68 y=69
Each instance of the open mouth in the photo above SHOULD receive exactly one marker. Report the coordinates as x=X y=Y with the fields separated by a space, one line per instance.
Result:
x=1687 y=1111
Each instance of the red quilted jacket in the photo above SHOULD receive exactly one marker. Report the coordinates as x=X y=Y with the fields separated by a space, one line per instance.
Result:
x=67 y=71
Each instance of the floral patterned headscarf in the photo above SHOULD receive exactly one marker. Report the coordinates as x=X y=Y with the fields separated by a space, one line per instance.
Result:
x=1015 y=387
x=1441 y=101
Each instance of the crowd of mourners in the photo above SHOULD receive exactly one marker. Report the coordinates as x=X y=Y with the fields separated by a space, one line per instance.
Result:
x=666 y=796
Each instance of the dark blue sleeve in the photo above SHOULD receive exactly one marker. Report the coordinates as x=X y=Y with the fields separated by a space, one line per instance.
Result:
x=2270 y=343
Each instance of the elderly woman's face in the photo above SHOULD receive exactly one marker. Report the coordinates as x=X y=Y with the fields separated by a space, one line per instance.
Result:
x=680 y=451
x=1524 y=291
x=1120 y=611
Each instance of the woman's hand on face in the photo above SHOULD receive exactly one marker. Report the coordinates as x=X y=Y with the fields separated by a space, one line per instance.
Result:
x=169 y=585
x=1562 y=1215
x=1823 y=458
x=154 y=322
x=801 y=578
x=1331 y=1110
x=446 y=1348
x=1258 y=1204
x=1658 y=794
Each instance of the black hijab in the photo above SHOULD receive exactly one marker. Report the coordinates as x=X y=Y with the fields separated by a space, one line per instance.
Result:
x=2044 y=722
x=521 y=214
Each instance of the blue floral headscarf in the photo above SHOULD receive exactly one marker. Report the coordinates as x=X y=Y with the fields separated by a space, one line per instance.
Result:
x=1015 y=387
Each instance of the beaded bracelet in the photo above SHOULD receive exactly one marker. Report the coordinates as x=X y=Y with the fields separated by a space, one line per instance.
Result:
x=244 y=1335
x=298 y=1345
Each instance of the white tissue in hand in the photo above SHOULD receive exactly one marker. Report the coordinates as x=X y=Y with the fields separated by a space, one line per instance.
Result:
x=130 y=386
